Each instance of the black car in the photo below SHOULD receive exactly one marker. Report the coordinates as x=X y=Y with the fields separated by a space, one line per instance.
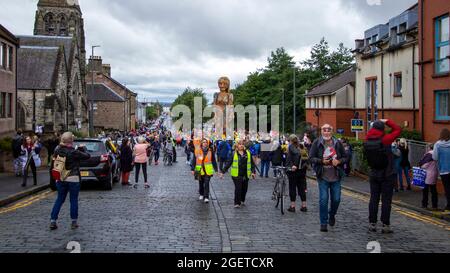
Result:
x=103 y=166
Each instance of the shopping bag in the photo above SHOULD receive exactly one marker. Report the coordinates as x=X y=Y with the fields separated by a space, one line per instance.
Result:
x=419 y=176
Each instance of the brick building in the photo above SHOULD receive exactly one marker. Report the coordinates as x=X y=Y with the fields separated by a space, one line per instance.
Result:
x=118 y=94
x=59 y=40
x=434 y=66
x=387 y=78
x=8 y=75
x=332 y=102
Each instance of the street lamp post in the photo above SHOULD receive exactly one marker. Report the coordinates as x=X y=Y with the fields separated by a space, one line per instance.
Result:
x=295 y=106
x=91 y=106
x=282 y=105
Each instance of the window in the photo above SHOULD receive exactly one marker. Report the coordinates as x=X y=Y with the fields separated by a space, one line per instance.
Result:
x=397 y=84
x=8 y=108
x=329 y=101
x=443 y=105
x=1 y=55
x=4 y=54
x=394 y=39
x=402 y=29
x=371 y=99
x=2 y=104
x=442 y=45
x=10 y=58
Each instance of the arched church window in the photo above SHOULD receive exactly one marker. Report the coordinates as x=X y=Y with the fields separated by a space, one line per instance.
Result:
x=49 y=22
x=62 y=25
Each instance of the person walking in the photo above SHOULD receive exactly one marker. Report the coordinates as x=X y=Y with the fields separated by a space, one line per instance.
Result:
x=17 y=150
x=349 y=151
x=277 y=156
x=405 y=165
x=71 y=183
x=378 y=151
x=441 y=154
x=156 y=149
x=30 y=159
x=140 y=161
x=223 y=151
x=203 y=168
x=296 y=162
x=242 y=169
x=266 y=158
x=397 y=158
x=327 y=157
x=431 y=167
x=126 y=161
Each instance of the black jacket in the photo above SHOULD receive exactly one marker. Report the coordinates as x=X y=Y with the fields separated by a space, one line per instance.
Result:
x=73 y=158
x=277 y=157
x=242 y=163
x=316 y=156
x=126 y=158
x=294 y=158
x=16 y=145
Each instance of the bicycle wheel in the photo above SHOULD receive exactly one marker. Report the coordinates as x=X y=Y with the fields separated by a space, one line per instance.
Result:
x=276 y=193
x=283 y=189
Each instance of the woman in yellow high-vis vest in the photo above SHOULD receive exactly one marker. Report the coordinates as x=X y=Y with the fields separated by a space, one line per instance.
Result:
x=204 y=166
x=242 y=169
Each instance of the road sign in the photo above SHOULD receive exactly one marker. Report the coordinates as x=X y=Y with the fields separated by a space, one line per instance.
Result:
x=340 y=131
x=357 y=125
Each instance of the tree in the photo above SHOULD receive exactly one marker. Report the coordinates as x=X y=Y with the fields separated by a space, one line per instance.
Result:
x=187 y=98
x=264 y=86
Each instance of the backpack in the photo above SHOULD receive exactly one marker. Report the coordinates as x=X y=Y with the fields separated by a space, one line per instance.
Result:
x=376 y=154
x=59 y=171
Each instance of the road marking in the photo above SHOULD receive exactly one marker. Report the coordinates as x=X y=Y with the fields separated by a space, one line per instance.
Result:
x=404 y=212
x=26 y=202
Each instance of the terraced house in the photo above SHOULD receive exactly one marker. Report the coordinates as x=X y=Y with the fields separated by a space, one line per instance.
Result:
x=8 y=76
x=387 y=76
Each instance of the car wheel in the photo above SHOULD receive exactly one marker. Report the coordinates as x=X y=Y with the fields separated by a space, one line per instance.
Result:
x=108 y=184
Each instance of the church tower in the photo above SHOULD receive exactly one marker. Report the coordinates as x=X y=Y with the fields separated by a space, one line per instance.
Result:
x=61 y=18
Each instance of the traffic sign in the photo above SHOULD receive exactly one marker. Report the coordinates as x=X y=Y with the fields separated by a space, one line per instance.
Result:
x=357 y=125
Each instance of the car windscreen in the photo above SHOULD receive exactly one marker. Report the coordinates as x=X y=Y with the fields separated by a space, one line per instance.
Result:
x=92 y=146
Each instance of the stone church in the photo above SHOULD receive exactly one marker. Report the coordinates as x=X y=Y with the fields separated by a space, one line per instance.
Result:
x=52 y=69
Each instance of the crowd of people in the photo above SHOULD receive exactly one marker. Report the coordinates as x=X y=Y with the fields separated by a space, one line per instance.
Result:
x=245 y=156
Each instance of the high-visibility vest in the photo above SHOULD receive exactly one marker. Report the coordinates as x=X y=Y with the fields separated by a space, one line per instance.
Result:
x=235 y=166
x=206 y=161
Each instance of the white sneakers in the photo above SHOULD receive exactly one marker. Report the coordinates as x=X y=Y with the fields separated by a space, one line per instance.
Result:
x=206 y=201
x=200 y=198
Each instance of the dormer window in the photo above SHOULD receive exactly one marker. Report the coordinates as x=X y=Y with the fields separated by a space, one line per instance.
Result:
x=394 y=37
x=402 y=35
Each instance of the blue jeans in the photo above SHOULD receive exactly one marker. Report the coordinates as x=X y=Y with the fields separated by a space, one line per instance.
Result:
x=265 y=166
x=327 y=190
x=402 y=171
x=63 y=189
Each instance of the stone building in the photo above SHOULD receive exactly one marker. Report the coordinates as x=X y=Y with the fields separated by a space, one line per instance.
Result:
x=103 y=82
x=8 y=88
x=59 y=27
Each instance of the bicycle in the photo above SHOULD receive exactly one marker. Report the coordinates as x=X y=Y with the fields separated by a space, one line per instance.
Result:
x=279 y=190
x=167 y=159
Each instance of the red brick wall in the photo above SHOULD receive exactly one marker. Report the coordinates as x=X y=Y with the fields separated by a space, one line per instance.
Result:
x=431 y=10
x=338 y=118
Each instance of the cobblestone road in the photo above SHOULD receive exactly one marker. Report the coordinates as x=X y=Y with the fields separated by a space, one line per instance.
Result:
x=169 y=218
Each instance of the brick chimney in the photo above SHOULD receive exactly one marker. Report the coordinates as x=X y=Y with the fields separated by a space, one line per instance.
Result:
x=95 y=64
x=107 y=70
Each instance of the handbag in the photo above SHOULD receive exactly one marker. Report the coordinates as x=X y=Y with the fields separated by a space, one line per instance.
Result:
x=419 y=177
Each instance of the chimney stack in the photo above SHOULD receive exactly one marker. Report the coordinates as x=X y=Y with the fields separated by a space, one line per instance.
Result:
x=107 y=70
x=95 y=64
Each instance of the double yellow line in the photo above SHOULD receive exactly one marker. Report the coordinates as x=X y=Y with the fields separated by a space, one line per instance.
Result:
x=26 y=202
x=407 y=213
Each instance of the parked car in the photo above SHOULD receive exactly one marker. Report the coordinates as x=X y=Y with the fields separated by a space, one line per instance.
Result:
x=102 y=167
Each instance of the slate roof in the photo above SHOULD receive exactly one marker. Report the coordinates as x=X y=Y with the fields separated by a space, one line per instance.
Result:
x=101 y=92
x=36 y=67
x=333 y=84
x=50 y=41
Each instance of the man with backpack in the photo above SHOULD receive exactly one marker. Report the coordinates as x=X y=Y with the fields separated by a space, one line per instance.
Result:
x=378 y=152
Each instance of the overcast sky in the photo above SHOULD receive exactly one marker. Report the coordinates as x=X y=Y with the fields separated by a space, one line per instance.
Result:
x=159 y=47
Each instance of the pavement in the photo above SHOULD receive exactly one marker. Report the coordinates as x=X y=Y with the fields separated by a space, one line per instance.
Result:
x=169 y=218
x=11 y=189
x=411 y=199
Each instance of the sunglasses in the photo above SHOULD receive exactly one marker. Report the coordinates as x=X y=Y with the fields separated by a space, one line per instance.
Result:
x=327 y=129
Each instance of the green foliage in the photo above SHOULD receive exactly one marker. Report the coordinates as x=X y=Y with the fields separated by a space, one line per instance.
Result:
x=187 y=98
x=6 y=144
x=411 y=135
x=79 y=134
x=154 y=110
x=265 y=86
